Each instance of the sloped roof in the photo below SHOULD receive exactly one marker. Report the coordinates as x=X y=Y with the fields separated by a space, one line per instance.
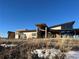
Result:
x=25 y=30
x=41 y=25
x=67 y=23
x=11 y=32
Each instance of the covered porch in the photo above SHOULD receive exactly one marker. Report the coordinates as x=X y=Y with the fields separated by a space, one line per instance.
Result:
x=43 y=31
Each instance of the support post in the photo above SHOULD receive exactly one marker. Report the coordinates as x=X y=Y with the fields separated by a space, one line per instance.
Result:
x=37 y=32
x=75 y=34
x=45 y=32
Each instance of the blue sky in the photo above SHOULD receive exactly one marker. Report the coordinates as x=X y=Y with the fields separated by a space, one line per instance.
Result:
x=24 y=14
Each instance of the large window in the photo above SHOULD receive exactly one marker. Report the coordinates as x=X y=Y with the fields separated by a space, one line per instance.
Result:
x=33 y=34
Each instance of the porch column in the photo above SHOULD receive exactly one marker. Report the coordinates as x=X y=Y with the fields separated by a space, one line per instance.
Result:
x=75 y=33
x=45 y=32
x=37 y=32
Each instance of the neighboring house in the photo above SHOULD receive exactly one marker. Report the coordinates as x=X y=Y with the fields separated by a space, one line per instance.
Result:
x=11 y=35
x=65 y=30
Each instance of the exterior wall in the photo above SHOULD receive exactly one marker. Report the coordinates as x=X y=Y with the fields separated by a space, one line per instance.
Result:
x=31 y=34
x=57 y=28
x=26 y=35
x=16 y=35
x=67 y=26
x=11 y=35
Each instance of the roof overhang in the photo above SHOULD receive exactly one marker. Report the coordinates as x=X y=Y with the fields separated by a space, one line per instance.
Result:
x=42 y=26
x=26 y=31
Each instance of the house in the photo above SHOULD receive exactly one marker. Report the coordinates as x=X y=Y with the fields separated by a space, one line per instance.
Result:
x=11 y=35
x=64 y=30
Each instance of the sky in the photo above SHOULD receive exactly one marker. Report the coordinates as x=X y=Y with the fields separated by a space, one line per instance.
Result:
x=24 y=14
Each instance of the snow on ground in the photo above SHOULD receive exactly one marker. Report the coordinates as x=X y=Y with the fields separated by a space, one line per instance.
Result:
x=8 y=45
x=72 y=55
x=52 y=53
x=44 y=53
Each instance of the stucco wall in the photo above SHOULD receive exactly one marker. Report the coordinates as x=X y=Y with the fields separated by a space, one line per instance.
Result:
x=16 y=35
x=30 y=34
x=27 y=34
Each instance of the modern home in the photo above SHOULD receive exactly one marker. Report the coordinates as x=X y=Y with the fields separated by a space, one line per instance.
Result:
x=64 y=30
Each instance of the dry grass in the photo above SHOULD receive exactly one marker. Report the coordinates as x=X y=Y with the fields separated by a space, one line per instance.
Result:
x=23 y=48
